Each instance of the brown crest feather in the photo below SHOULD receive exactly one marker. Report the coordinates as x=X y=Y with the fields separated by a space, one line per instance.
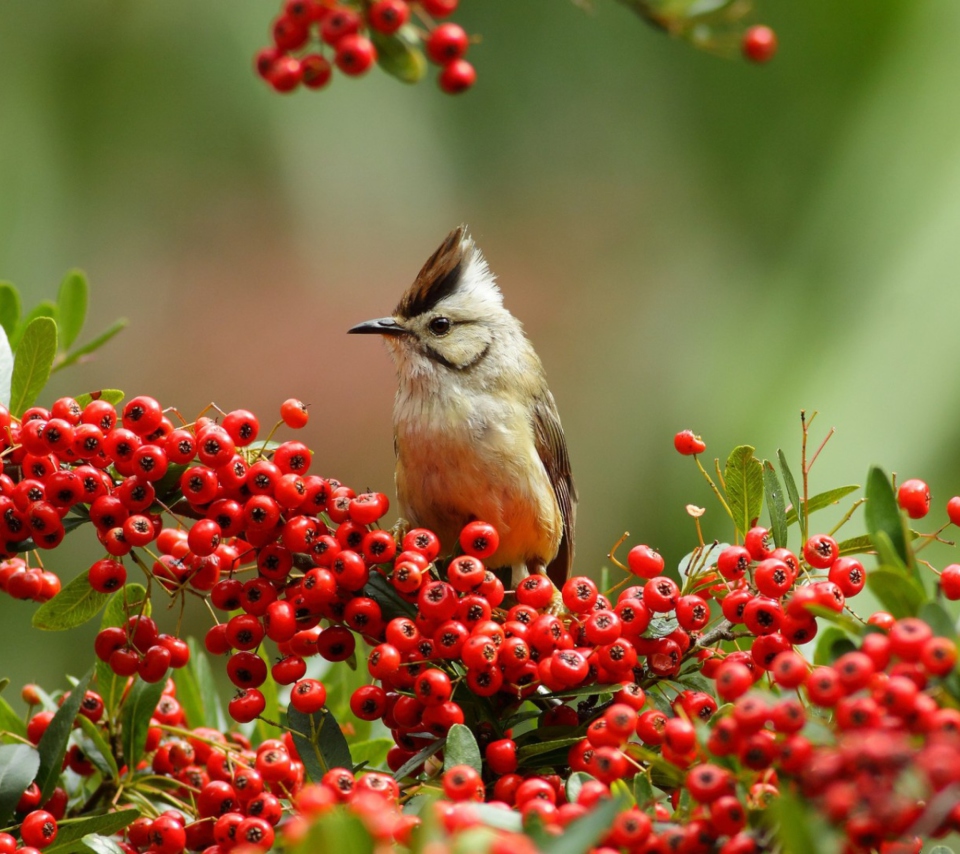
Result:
x=438 y=278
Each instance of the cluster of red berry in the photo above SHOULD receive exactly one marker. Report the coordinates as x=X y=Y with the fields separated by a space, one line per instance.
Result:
x=358 y=34
x=623 y=687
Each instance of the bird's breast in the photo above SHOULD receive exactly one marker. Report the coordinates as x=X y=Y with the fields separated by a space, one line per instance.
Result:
x=463 y=457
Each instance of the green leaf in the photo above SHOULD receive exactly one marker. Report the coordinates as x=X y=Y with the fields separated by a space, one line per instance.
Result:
x=272 y=706
x=882 y=514
x=44 y=308
x=399 y=54
x=775 y=506
x=6 y=369
x=643 y=790
x=462 y=749
x=419 y=758
x=72 y=306
x=855 y=545
x=372 y=752
x=582 y=834
x=900 y=594
x=53 y=744
x=791 y=487
x=74 y=605
x=101 y=844
x=821 y=500
x=831 y=645
x=32 y=363
x=319 y=741
x=10 y=721
x=940 y=849
x=138 y=708
x=96 y=344
x=497 y=817
x=213 y=714
x=799 y=829
x=574 y=784
x=129 y=600
x=743 y=482
x=936 y=616
x=97 y=749
x=71 y=831
x=18 y=766
x=112 y=396
x=386 y=596
x=336 y=830
x=9 y=308
x=541 y=747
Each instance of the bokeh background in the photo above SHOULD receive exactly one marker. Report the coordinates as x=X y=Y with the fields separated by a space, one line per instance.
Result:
x=691 y=242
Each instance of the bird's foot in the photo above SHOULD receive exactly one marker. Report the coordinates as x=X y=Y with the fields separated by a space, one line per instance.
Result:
x=400 y=529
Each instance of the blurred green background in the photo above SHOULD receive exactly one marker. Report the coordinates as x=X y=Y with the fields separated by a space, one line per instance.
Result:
x=691 y=242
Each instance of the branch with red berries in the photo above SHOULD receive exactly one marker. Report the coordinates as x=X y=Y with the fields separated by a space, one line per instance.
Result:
x=312 y=38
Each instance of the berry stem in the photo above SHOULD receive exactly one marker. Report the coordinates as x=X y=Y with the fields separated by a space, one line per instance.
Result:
x=713 y=486
x=847 y=516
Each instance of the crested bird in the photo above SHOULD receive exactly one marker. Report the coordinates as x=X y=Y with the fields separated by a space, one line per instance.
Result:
x=476 y=429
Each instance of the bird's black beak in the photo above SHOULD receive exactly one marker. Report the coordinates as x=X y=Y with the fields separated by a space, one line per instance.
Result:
x=380 y=326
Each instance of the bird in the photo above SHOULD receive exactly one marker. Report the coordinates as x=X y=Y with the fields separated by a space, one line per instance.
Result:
x=477 y=435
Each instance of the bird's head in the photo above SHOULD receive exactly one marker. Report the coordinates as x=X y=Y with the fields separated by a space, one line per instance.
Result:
x=450 y=317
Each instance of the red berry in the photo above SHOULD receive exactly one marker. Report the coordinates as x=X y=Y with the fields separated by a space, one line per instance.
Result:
x=247 y=705
x=820 y=551
x=914 y=497
x=294 y=413
x=759 y=44
x=446 y=43
x=457 y=76
x=315 y=71
x=953 y=510
x=355 y=54
x=285 y=74
x=387 y=16
x=39 y=829
x=688 y=443
x=107 y=575
x=479 y=539
x=950 y=581
x=308 y=696
x=439 y=8
x=644 y=562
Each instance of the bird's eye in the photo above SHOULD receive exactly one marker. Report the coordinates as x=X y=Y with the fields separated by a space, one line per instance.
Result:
x=440 y=325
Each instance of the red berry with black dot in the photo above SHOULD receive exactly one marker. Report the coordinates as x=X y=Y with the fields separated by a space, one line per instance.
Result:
x=387 y=16
x=479 y=539
x=820 y=551
x=688 y=443
x=913 y=496
x=355 y=54
x=39 y=829
x=308 y=696
x=247 y=705
x=645 y=562
x=445 y=43
x=107 y=575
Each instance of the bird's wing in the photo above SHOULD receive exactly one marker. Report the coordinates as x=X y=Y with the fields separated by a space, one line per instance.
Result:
x=552 y=448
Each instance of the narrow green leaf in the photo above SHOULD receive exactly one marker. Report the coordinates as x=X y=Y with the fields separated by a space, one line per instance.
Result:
x=53 y=744
x=74 y=605
x=10 y=721
x=882 y=514
x=936 y=616
x=32 y=362
x=96 y=344
x=213 y=713
x=497 y=817
x=44 y=308
x=372 y=752
x=125 y=602
x=821 y=500
x=110 y=395
x=792 y=493
x=419 y=758
x=97 y=748
x=799 y=829
x=900 y=594
x=887 y=554
x=743 y=480
x=101 y=844
x=541 y=747
x=9 y=308
x=138 y=708
x=462 y=749
x=574 y=784
x=775 y=506
x=71 y=831
x=18 y=766
x=189 y=696
x=855 y=545
x=399 y=54
x=319 y=741
x=72 y=306
x=6 y=369
x=584 y=833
